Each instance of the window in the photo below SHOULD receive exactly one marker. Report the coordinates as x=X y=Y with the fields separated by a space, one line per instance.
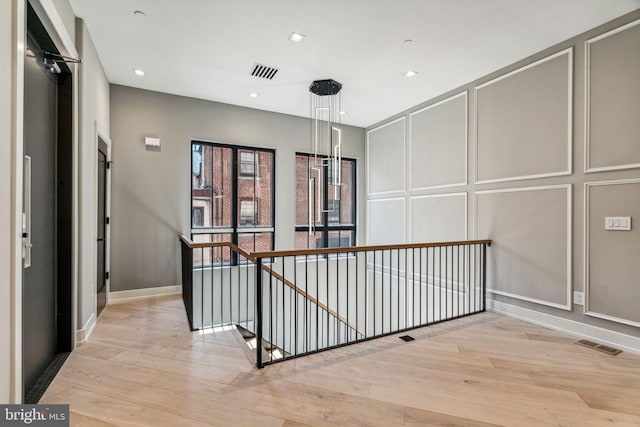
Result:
x=248 y=212
x=333 y=223
x=197 y=214
x=232 y=197
x=248 y=161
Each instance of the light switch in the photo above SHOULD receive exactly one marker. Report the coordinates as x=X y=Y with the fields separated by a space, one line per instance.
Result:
x=617 y=223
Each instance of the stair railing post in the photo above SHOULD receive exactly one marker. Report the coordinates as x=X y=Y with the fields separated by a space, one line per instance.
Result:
x=258 y=321
x=484 y=277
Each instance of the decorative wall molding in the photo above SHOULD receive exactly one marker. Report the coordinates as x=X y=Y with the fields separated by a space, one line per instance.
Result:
x=466 y=143
x=587 y=101
x=587 y=245
x=568 y=171
x=404 y=150
x=404 y=215
x=569 y=263
x=466 y=210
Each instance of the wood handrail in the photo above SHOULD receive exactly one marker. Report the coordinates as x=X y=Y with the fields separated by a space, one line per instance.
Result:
x=275 y=254
x=266 y=268
x=253 y=256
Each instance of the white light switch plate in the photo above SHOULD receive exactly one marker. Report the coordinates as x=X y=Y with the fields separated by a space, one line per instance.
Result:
x=617 y=223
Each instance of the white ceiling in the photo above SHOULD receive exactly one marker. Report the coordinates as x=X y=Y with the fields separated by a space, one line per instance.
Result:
x=207 y=48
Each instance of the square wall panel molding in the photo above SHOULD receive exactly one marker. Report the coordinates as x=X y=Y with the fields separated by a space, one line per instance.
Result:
x=386 y=158
x=511 y=142
x=611 y=256
x=612 y=125
x=531 y=254
x=438 y=144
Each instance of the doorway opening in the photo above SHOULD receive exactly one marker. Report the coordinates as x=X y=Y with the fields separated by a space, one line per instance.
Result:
x=103 y=223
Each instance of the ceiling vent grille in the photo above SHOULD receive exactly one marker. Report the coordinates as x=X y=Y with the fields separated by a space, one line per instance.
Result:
x=264 y=71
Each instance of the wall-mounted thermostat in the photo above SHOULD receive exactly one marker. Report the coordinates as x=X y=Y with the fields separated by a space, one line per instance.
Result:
x=617 y=223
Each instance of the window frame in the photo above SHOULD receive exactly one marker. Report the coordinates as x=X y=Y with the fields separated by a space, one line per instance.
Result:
x=235 y=229
x=325 y=228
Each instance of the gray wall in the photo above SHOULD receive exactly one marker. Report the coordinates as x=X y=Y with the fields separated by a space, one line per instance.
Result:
x=93 y=117
x=530 y=139
x=151 y=189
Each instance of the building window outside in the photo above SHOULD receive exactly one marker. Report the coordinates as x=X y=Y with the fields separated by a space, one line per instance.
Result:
x=248 y=212
x=228 y=203
x=197 y=214
x=248 y=163
x=335 y=224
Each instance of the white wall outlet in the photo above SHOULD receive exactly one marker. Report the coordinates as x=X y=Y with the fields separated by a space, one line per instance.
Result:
x=578 y=298
x=617 y=223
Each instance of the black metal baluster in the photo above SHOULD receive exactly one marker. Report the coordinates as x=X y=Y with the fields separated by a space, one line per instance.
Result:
x=271 y=338
x=347 y=286
x=484 y=277
x=473 y=264
x=202 y=288
x=420 y=286
x=307 y=324
x=284 y=311
x=439 y=283
x=446 y=282
x=337 y=295
x=326 y=275
x=258 y=311
x=221 y=287
x=406 y=285
x=375 y=307
x=468 y=278
x=458 y=276
x=398 y=292
x=296 y=296
x=317 y=305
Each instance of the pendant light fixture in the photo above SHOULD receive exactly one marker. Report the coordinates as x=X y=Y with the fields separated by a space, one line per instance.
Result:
x=326 y=146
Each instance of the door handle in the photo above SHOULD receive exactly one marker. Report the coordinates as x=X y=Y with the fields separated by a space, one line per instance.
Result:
x=100 y=240
x=26 y=214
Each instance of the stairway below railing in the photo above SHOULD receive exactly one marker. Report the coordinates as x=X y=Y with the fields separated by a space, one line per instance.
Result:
x=302 y=302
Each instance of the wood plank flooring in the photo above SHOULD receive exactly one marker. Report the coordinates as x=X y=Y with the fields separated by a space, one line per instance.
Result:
x=142 y=366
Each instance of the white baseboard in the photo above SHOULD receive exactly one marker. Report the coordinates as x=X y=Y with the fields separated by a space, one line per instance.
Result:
x=595 y=333
x=120 y=296
x=82 y=335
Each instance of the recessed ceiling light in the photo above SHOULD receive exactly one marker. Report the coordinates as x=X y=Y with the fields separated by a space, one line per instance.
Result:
x=342 y=113
x=410 y=73
x=254 y=94
x=296 y=37
x=138 y=72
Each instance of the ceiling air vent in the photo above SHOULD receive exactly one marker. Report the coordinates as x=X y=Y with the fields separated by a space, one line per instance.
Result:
x=264 y=71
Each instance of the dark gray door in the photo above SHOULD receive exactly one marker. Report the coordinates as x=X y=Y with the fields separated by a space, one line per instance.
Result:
x=39 y=282
x=102 y=226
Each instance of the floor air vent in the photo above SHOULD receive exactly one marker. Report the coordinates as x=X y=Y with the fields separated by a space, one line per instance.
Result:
x=603 y=348
x=407 y=338
x=264 y=71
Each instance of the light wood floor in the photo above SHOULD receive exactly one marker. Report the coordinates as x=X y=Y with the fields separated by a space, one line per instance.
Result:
x=142 y=366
